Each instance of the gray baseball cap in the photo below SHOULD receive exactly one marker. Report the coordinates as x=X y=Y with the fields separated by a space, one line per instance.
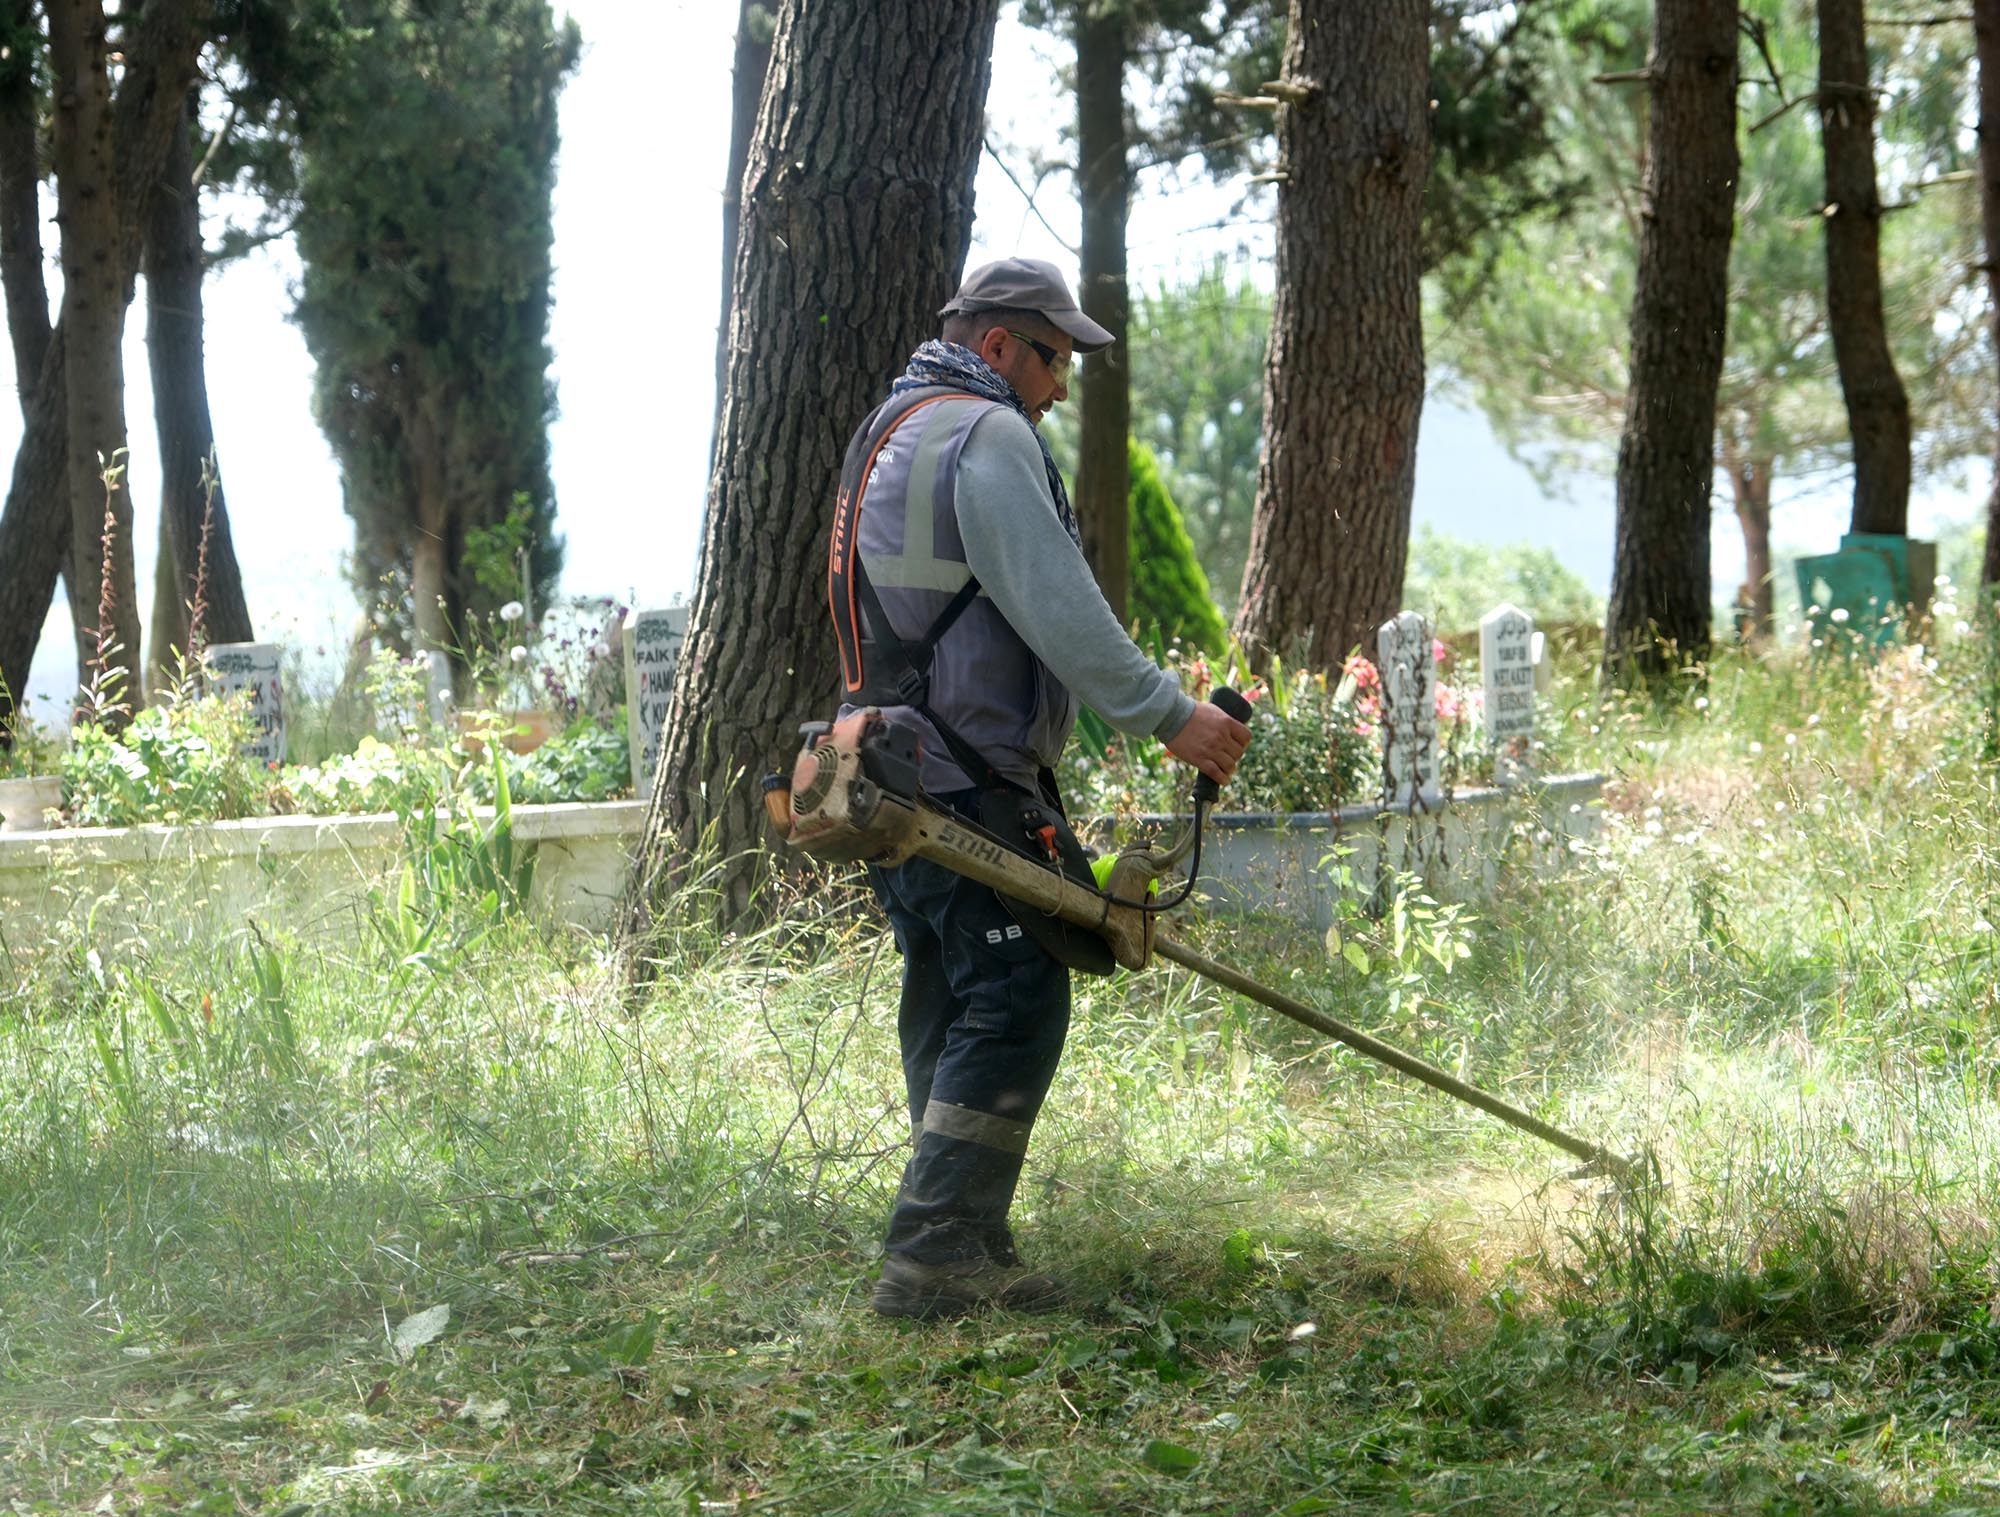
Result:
x=1028 y=284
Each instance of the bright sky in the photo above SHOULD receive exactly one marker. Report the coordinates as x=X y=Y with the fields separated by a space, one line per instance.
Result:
x=638 y=231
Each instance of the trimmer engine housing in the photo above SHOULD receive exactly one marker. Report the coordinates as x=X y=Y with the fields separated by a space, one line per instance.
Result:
x=854 y=790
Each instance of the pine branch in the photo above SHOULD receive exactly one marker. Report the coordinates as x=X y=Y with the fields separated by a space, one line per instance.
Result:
x=1007 y=169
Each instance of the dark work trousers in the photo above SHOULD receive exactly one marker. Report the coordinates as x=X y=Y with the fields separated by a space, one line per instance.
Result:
x=984 y=1013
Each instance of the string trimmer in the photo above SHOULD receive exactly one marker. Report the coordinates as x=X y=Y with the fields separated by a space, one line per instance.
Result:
x=853 y=796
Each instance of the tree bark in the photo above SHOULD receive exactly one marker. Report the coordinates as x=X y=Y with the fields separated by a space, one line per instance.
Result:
x=1986 y=29
x=1750 y=484
x=33 y=542
x=93 y=318
x=35 y=523
x=753 y=61
x=1344 y=373
x=1104 y=187
x=1658 y=616
x=182 y=423
x=27 y=294
x=436 y=610
x=170 y=621
x=857 y=210
x=34 y=534
x=1878 y=410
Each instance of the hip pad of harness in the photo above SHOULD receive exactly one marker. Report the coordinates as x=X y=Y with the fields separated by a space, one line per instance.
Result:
x=1030 y=825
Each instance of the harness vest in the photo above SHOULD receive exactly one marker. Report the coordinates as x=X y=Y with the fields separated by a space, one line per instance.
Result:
x=897 y=515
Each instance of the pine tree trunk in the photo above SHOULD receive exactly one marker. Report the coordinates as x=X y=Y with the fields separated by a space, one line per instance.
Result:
x=1986 y=28
x=1344 y=374
x=1750 y=483
x=1659 y=611
x=857 y=209
x=181 y=420
x=35 y=522
x=1878 y=411
x=34 y=533
x=27 y=294
x=34 y=530
x=93 y=318
x=169 y=621
x=1104 y=186
x=753 y=60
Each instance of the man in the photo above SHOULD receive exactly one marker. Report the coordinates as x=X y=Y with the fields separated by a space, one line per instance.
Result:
x=955 y=530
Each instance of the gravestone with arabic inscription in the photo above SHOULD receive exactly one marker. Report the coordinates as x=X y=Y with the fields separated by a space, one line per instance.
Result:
x=1507 y=670
x=1408 y=663
x=252 y=668
x=652 y=650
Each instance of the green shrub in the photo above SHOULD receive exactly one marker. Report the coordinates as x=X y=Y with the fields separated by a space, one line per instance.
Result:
x=181 y=762
x=1170 y=593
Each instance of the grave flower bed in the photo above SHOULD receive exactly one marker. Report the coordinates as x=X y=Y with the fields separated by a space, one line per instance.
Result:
x=1316 y=745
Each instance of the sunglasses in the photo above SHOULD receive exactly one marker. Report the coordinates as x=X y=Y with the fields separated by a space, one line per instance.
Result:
x=1060 y=365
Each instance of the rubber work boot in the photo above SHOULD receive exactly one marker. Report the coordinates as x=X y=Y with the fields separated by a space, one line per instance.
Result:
x=910 y=1289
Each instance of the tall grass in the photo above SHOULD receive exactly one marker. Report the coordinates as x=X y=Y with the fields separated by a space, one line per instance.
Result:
x=230 y=1168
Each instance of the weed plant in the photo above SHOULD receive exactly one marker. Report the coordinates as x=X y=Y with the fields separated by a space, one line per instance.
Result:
x=435 y=1218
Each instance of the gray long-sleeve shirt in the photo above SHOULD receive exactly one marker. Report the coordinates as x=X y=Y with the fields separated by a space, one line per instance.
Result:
x=1023 y=557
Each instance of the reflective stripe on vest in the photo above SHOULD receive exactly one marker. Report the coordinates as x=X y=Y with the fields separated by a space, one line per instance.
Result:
x=897 y=512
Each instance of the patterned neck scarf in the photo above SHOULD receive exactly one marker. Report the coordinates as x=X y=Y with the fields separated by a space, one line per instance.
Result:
x=959 y=368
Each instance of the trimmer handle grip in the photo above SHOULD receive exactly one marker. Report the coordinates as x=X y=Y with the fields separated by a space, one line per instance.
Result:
x=1205 y=789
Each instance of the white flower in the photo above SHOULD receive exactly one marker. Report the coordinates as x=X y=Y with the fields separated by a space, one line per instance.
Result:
x=1961 y=628
x=600 y=650
x=513 y=611
x=1756 y=747
x=1839 y=613
x=1701 y=703
x=517 y=654
x=1791 y=739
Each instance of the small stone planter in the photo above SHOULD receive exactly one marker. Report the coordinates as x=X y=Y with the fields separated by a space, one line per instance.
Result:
x=25 y=803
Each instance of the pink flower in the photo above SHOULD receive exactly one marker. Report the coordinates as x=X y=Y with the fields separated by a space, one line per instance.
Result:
x=1254 y=694
x=1364 y=674
x=1440 y=654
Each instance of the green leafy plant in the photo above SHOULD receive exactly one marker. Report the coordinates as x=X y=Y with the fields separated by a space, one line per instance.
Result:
x=377 y=776
x=1396 y=940
x=588 y=760
x=180 y=762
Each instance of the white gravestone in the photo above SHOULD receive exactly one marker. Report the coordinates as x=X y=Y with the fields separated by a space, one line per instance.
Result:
x=1507 y=669
x=1409 y=710
x=652 y=649
x=254 y=668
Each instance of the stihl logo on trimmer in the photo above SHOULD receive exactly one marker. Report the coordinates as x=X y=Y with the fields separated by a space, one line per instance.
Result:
x=978 y=847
